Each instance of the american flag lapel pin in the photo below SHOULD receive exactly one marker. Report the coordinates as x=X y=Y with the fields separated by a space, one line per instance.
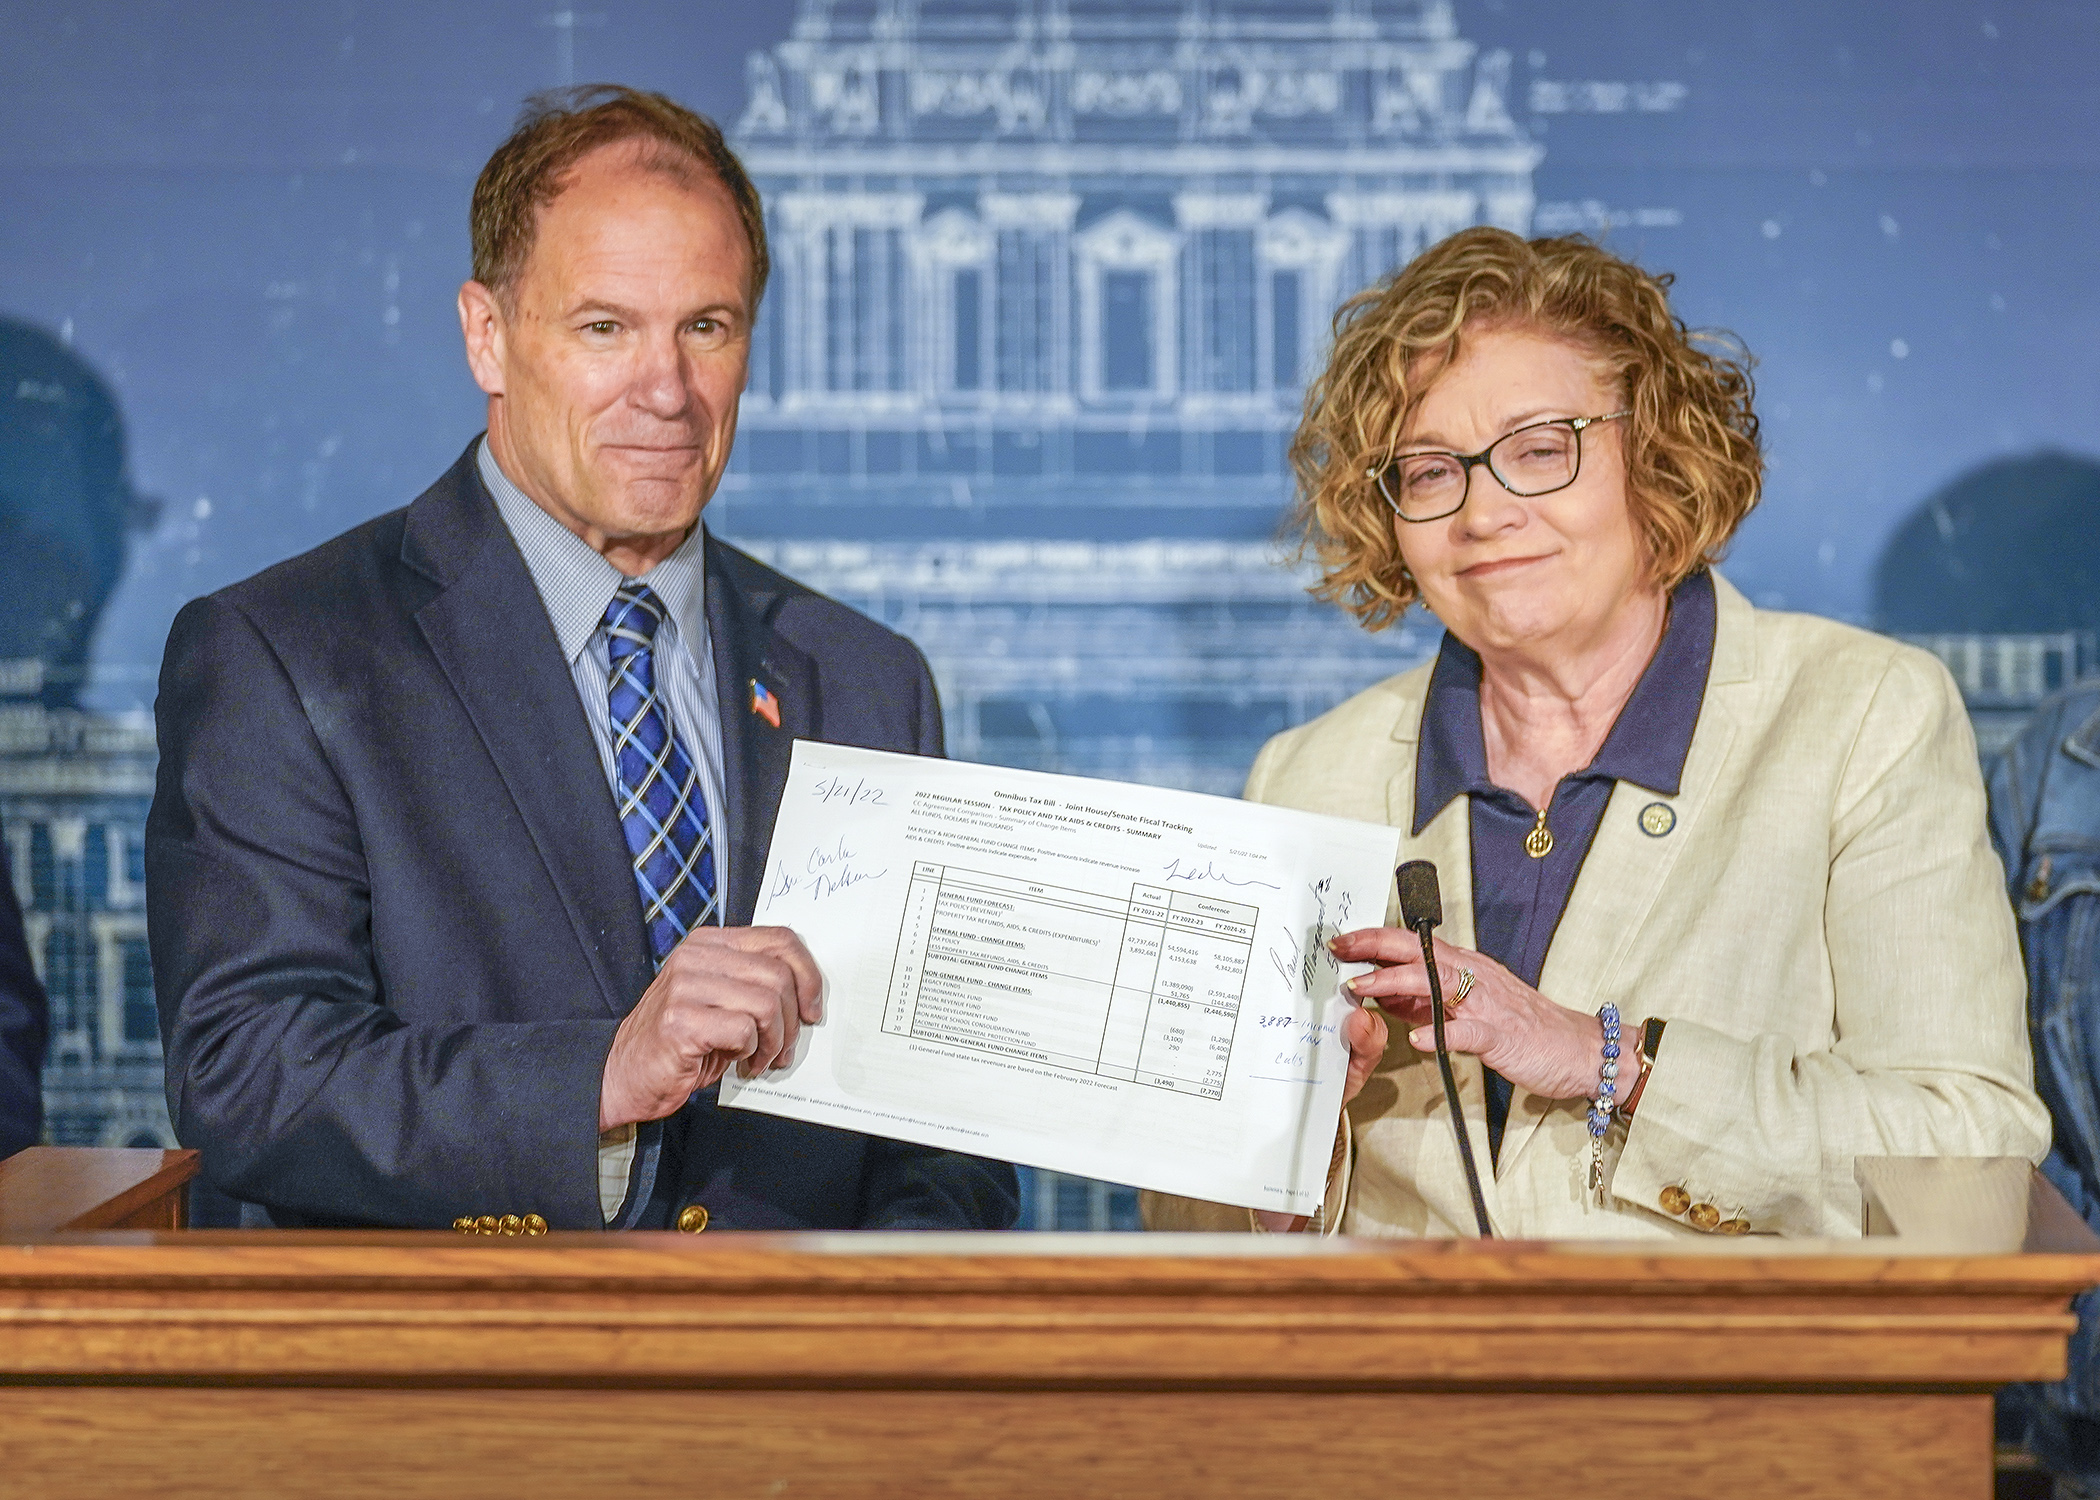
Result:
x=764 y=704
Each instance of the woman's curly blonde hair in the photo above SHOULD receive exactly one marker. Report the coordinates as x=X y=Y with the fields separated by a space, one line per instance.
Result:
x=1692 y=462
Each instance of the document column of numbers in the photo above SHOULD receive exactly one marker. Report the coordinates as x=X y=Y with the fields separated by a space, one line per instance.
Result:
x=1195 y=1008
x=1137 y=966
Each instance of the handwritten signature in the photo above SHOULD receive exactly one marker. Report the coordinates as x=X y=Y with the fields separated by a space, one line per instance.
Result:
x=821 y=860
x=826 y=871
x=840 y=880
x=1208 y=870
x=1304 y=966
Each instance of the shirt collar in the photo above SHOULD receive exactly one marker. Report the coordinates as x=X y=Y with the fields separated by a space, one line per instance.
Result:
x=1647 y=745
x=577 y=584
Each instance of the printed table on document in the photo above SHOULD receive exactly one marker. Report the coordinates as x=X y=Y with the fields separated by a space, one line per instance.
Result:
x=1144 y=985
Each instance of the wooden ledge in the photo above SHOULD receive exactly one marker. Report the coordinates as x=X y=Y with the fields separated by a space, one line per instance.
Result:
x=956 y=1311
x=951 y=1264
x=49 y=1189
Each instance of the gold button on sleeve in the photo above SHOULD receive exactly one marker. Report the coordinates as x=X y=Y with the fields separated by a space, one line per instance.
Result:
x=693 y=1218
x=1704 y=1216
x=486 y=1224
x=534 y=1224
x=463 y=1225
x=1734 y=1226
x=510 y=1224
x=1675 y=1200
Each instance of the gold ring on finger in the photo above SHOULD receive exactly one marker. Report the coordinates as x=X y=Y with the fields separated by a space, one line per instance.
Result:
x=1458 y=996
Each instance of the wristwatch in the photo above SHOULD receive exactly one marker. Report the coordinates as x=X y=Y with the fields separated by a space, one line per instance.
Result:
x=1651 y=1043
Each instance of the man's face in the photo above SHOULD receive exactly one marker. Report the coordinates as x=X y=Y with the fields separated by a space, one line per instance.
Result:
x=614 y=373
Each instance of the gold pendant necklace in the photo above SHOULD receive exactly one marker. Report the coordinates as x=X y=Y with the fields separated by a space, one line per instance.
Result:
x=1539 y=842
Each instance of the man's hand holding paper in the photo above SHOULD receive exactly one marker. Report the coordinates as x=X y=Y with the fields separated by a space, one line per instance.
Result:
x=725 y=996
x=1116 y=981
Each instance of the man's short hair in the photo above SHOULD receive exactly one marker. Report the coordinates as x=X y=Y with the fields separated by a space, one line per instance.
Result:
x=559 y=128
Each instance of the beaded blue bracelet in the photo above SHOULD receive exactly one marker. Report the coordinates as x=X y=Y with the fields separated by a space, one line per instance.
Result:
x=1607 y=1099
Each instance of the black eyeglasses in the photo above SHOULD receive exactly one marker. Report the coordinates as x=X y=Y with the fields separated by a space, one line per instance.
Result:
x=1534 y=460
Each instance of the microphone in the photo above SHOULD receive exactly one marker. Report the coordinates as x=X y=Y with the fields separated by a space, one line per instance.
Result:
x=1421 y=903
x=1421 y=911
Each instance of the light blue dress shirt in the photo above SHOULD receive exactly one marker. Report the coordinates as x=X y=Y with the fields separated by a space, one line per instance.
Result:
x=576 y=584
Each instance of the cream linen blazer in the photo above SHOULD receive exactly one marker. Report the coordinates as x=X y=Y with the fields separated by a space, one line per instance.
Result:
x=1824 y=926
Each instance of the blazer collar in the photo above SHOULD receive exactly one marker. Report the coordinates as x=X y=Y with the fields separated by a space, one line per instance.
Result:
x=449 y=523
x=743 y=602
x=1735 y=635
x=490 y=633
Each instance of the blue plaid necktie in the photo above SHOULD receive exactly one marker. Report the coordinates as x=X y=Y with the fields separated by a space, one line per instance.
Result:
x=662 y=811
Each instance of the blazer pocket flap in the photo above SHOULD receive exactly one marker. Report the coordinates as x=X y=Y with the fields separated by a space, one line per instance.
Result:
x=2053 y=876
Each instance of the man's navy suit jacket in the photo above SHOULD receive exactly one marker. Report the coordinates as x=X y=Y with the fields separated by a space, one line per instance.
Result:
x=393 y=917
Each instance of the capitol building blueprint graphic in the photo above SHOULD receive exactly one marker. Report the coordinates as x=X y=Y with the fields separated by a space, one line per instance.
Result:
x=1050 y=277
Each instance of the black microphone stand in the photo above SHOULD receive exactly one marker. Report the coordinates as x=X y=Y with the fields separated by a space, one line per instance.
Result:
x=1423 y=925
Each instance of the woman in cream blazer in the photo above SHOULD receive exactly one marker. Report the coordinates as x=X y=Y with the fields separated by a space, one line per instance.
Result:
x=1771 y=827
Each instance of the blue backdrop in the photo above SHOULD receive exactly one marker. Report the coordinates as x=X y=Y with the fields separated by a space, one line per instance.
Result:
x=1051 y=275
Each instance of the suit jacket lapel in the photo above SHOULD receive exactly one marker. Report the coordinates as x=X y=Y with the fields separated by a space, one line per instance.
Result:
x=490 y=634
x=1628 y=868
x=755 y=752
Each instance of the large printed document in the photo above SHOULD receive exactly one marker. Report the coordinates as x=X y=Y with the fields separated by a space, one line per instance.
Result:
x=1115 y=981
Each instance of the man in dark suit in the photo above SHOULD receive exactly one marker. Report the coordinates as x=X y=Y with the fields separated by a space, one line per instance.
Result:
x=461 y=816
x=24 y=1028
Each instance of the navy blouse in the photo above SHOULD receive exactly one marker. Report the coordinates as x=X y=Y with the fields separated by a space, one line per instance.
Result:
x=1518 y=900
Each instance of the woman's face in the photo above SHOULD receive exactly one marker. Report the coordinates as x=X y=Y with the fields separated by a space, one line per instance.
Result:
x=1551 y=573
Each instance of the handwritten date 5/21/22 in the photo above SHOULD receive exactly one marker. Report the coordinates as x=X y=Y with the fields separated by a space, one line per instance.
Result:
x=854 y=793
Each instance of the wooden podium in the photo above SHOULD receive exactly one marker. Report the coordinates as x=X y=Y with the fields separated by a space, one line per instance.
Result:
x=842 y=1366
